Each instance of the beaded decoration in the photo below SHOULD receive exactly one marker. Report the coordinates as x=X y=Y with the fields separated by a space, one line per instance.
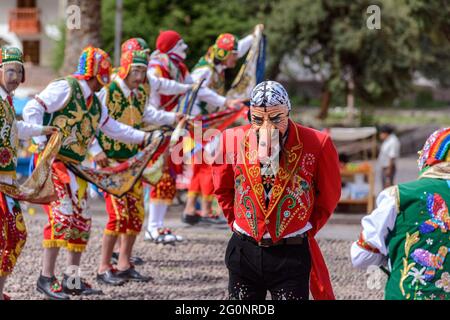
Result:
x=94 y=62
x=435 y=149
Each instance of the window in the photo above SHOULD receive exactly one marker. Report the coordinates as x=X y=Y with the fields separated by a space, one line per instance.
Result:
x=31 y=50
x=26 y=3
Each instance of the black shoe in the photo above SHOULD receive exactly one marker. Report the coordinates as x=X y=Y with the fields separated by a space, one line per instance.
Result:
x=51 y=288
x=132 y=275
x=134 y=260
x=109 y=277
x=78 y=286
x=213 y=220
x=190 y=219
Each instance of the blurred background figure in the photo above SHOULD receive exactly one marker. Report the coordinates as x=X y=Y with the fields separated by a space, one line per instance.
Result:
x=389 y=152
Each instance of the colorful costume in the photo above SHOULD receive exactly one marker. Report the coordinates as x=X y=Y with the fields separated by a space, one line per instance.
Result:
x=130 y=107
x=13 y=233
x=408 y=230
x=214 y=75
x=167 y=62
x=70 y=105
x=276 y=201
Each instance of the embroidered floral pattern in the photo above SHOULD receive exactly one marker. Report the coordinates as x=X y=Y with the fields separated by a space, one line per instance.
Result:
x=5 y=157
x=444 y=282
x=418 y=275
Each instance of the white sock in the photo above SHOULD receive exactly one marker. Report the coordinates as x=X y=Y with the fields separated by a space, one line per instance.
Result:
x=154 y=217
x=162 y=213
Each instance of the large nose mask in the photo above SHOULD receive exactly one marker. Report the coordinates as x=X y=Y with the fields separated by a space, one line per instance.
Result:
x=270 y=126
x=269 y=116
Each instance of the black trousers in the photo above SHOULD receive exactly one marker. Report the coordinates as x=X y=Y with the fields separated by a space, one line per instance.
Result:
x=387 y=180
x=253 y=270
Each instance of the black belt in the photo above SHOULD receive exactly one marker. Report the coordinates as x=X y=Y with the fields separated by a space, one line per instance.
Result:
x=269 y=243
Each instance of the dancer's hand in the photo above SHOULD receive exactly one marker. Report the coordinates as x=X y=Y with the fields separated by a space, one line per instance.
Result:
x=47 y=130
x=101 y=159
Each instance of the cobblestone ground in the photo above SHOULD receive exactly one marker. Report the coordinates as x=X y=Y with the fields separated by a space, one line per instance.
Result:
x=192 y=269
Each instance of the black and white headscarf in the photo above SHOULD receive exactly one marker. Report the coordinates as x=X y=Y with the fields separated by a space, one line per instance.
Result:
x=269 y=94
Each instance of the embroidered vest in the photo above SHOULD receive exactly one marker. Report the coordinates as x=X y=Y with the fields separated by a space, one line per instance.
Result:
x=419 y=242
x=8 y=139
x=217 y=82
x=77 y=122
x=293 y=192
x=169 y=70
x=127 y=111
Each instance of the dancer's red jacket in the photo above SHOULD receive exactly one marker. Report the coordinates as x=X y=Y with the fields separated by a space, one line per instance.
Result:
x=307 y=188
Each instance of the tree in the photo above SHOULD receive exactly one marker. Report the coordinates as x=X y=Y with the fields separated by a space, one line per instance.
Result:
x=87 y=32
x=331 y=38
x=198 y=21
x=434 y=20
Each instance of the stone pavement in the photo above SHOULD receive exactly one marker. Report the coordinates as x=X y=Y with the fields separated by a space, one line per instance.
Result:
x=194 y=268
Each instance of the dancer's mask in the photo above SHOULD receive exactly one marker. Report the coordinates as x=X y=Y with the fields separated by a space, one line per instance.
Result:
x=269 y=116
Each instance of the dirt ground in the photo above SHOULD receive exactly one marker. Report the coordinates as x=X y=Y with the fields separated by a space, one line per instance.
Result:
x=195 y=268
x=192 y=269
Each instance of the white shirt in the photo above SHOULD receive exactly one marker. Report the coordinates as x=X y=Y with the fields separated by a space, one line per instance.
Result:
x=54 y=97
x=165 y=86
x=267 y=235
x=375 y=229
x=390 y=149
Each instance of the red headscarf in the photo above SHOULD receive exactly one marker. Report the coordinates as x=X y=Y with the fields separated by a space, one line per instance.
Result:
x=167 y=40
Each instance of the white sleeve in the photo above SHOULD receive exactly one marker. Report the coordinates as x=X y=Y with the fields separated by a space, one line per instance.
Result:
x=244 y=45
x=205 y=94
x=375 y=229
x=202 y=73
x=51 y=99
x=121 y=132
x=166 y=86
x=210 y=97
x=115 y=129
x=394 y=150
x=159 y=117
x=101 y=95
x=189 y=79
x=27 y=130
x=95 y=147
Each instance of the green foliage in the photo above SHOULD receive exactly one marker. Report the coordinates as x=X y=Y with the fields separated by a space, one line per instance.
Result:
x=423 y=98
x=434 y=20
x=199 y=22
x=328 y=37
x=60 y=45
